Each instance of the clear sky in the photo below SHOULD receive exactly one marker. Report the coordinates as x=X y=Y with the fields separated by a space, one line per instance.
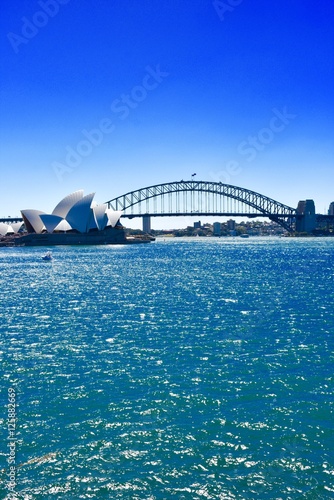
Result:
x=112 y=96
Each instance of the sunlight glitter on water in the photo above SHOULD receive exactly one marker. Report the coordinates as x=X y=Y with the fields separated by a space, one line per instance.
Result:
x=187 y=369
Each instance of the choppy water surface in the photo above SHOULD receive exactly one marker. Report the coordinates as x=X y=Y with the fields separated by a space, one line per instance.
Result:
x=186 y=369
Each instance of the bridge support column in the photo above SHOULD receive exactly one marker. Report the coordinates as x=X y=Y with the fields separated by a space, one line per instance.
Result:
x=146 y=223
x=306 y=218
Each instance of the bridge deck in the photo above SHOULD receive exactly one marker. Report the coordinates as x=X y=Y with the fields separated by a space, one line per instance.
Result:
x=202 y=214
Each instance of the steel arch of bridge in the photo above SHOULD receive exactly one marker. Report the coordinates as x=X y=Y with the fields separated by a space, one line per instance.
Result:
x=195 y=198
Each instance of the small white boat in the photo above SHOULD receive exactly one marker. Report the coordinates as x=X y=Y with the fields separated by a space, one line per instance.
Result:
x=47 y=256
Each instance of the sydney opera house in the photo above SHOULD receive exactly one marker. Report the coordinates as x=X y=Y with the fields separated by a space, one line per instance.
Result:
x=76 y=220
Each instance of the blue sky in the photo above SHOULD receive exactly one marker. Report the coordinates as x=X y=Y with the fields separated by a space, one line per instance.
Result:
x=112 y=96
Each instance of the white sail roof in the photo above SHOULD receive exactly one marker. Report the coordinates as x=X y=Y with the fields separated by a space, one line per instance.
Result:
x=80 y=214
x=17 y=226
x=100 y=216
x=113 y=216
x=10 y=228
x=32 y=220
x=65 y=205
x=3 y=228
x=50 y=221
x=63 y=226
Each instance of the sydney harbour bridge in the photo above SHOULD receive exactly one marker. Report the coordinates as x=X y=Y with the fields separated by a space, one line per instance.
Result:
x=207 y=198
x=203 y=198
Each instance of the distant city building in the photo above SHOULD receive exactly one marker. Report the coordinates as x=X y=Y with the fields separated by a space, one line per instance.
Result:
x=216 y=229
x=197 y=225
x=231 y=225
x=331 y=209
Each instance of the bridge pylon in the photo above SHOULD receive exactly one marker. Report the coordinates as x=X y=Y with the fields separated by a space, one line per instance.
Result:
x=147 y=224
x=306 y=219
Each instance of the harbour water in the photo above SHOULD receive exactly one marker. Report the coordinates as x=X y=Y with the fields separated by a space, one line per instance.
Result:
x=187 y=368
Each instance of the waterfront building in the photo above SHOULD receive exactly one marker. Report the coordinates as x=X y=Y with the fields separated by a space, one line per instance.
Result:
x=331 y=209
x=216 y=229
x=75 y=212
x=231 y=225
x=76 y=220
